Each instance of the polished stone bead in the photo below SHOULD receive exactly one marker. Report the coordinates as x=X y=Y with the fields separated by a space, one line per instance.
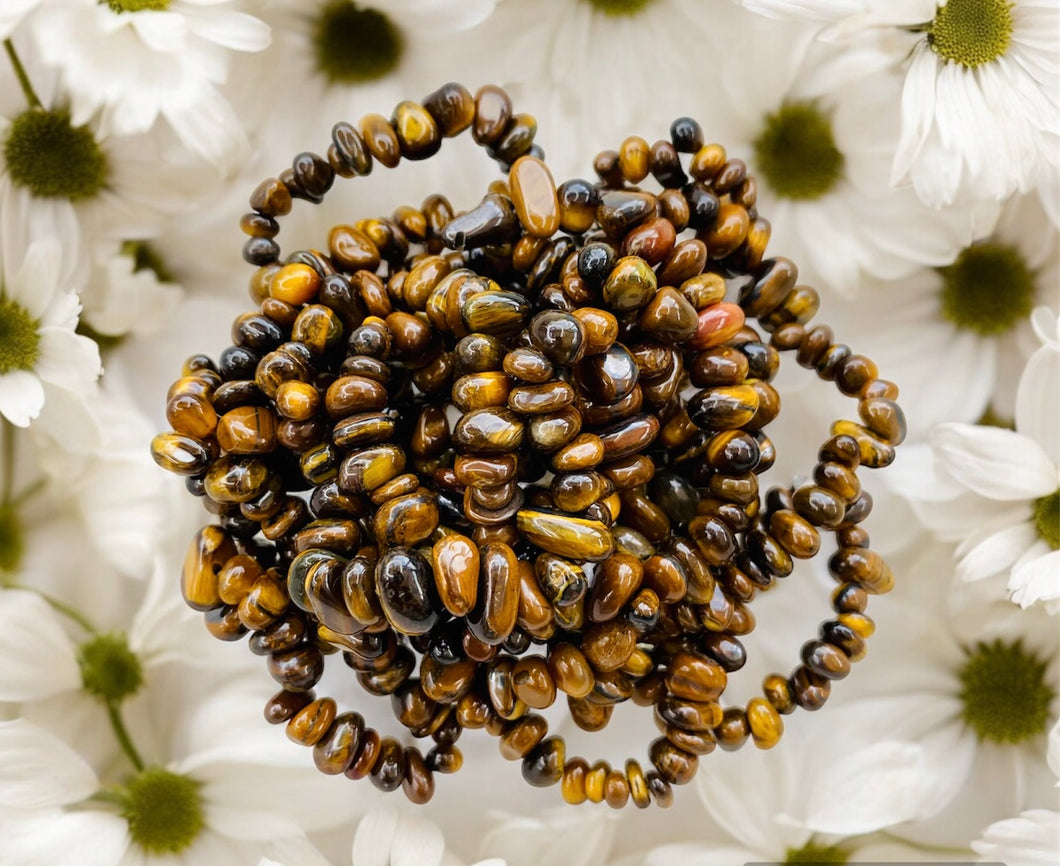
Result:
x=534 y=196
x=630 y=285
x=489 y=431
x=405 y=586
x=564 y=535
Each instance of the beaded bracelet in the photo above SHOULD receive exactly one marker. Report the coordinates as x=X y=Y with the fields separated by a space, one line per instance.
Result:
x=597 y=495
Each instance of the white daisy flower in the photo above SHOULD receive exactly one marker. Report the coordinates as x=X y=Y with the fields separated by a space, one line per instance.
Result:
x=128 y=291
x=997 y=491
x=39 y=348
x=817 y=124
x=1032 y=839
x=965 y=696
x=981 y=103
x=384 y=837
x=955 y=338
x=136 y=60
x=12 y=13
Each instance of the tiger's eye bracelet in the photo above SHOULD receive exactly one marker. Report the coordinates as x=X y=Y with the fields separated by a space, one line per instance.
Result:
x=494 y=456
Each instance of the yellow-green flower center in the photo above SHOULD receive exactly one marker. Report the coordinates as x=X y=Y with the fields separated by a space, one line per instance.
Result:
x=110 y=670
x=354 y=45
x=51 y=158
x=135 y=5
x=1047 y=519
x=19 y=340
x=795 y=152
x=1004 y=694
x=12 y=543
x=811 y=853
x=988 y=289
x=971 y=32
x=146 y=258
x=163 y=809
x=619 y=7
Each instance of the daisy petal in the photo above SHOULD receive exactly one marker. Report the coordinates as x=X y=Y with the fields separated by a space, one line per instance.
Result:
x=375 y=837
x=21 y=397
x=418 y=842
x=38 y=770
x=995 y=463
x=1038 y=401
x=55 y=838
x=38 y=656
x=1036 y=580
x=1029 y=840
x=994 y=551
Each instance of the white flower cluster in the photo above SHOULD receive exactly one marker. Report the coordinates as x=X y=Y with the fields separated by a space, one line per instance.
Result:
x=907 y=154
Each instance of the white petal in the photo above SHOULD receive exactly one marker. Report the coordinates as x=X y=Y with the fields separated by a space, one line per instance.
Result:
x=1038 y=401
x=39 y=770
x=418 y=842
x=375 y=837
x=21 y=397
x=1036 y=580
x=235 y=30
x=1054 y=749
x=918 y=109
x=995 y=463
x=56 y=838
x=1032 y=839
x=39 y=659
x=293 y=852
x=248 y=824
x=68 y=360
x=994 y=551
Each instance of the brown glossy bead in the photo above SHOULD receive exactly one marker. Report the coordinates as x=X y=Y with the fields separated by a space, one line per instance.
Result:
x=247 y=430
x=518 y=138
x=724 y=408
x=265 y=602
x=718 y=324
x=283 y=706
x=348 y=395
x=630 y=285
x=652 y=241
x=497 y=608
x=364 y=428
x=367 y=756
x=855 y=374
x=335 y=752
x=452 y=107
x=617 y=579
x=620 y=210
x=576 y=491
x=294 y=284
x=406 y=520
x=533 y=683
x=543 y=765
x=296 y=400
x=689 y=715
x=610 y=375
x=207 y=554
x=191 y=414
x=534 y=196
x=352 y=250
x=669 y=316
x=297 y=670
x=493 y=110
x=809 y=690
x=271 y=197
x=224 y=623
x=446 y=683
x=666 y=576
x=825 y=660
x=633 y=159
x=609 y=645
x=456 y=573
x=521 y=736
x=481 y=391
x=564 y=535
x=418 y=779
x=570 y=670
x=489 y=431
x=819 y=506
x=236 y=578
x=485 y=471
x=695 y=677
x=884 y=418
x=673 y=764
x=445 y=760
x=389 y=769
x=498 y=313
x=600 y=326
x=764 y=722
x=371 y=468
x=559 y=336
x=502 y=697
x=794 y=534
x=381 y=139
x=540 y=399
x=405 y=585
x=596 y=780
x=778 y=693
x=838 y=479
x=417 y=133
x=572 y=785
x=728 y=232
x=734 y=730
x=309 y=725
x=616 y=789
x=182 y=455
x=530 y=365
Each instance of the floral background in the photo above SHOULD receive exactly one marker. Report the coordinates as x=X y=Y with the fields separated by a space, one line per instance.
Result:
x=907 y=157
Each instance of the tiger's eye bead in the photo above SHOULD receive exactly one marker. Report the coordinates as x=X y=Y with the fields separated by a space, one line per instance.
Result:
x=630 y=285
x=533 y=683
x=610 y=375
x=564 y=535
x=673 y=764
x=294 y=284
x=765 y=723
x=652 y=241
x=381 y=139
x=794 y=534
x=367 y=756
x=734 y=730
x=578 y=200
x=559 y=336
x=600 y=326
x=182 y=455
x=456 y=573
x=297 y=670
x=616 y=789
x=669 y=316
x=617 y=580
x=572 y=785
x=271 y=197
x=724 y=408
x=884 y=418
x=665 y=575
x=192 y=414
x=497 y=607
x=371 y=468
x=534 y=196
x=481 y=391
x=778 y=693
x=695 y=677
x=543 y=765
x=495 y=312
x=809 y=689
x=660 y=790
x=718 y=324
x=263 y=604
x=309 y=725
x=540 y=399
x=389 y=769
x=284 y=705
x=489 y=431
x=418 y=779
x=819 y=506
x=452 y=107
x=405 y=586
x=247 y=430
x=825 y=660
x=570 y=670
x=417 y=133
x=609 y=645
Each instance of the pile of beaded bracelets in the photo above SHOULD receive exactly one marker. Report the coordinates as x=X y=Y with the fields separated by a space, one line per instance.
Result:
x=495 y=456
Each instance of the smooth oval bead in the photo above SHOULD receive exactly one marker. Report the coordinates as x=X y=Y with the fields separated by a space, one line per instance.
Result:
x=180 y=454
x=534 y=196
x=405 y=587
x=456 y=573
x=489 y=431
x=564 y=535
x=718 y=323
x=630 y=285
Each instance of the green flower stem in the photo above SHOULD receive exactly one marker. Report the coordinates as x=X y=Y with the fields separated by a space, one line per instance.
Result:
x=122 y=733
x=23 y=77
x=7 y=430
x=64 y=609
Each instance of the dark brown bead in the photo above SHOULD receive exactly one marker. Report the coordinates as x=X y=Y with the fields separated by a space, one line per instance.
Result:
x=367 y=756
x=452 y=107
x=497 y=608
x=389 y=769
x=297 y=670
x=733 y=730
x=417 y=133
x=862 y=567
x=418 y=779
x=809 y=690
x=336 y=751
x=284 y=705
x=405 y=585
x=381 y=139
x=570 y=670
x=673 y=764
x=543 y=765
